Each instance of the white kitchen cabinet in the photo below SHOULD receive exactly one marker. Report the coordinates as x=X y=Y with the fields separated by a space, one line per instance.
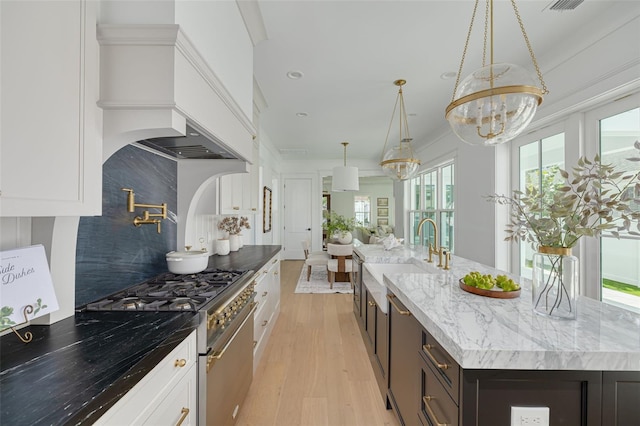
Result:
x=239 y=191
x=268 y=297
x=51 y=133
x=165 y=395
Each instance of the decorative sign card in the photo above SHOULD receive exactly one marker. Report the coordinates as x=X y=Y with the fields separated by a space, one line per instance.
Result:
x=25 y=281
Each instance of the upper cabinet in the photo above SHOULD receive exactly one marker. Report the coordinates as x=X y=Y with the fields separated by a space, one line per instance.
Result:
x=51 y=133
x=239 y=192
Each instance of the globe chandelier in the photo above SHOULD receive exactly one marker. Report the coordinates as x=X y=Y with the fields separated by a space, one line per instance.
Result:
x=495 y=103
x=345 y=178
x=399 y=162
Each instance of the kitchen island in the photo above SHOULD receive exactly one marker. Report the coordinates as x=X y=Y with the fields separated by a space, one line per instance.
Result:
x=76 y=369
x=501 y=344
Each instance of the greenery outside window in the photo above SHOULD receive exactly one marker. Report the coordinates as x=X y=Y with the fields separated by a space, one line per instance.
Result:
x=432 y=195
x=539 y=164
x=619 y=258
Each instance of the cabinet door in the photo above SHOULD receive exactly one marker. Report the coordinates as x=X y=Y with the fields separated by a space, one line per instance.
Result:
x=51 y=134
x=370 y=322
x=382 y=344
x=620 y=398
x=179 y=407
x=404 y=362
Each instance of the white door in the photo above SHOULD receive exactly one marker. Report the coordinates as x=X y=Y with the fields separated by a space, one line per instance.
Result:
x=297 y=216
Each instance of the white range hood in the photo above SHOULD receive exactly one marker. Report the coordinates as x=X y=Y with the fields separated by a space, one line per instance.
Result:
x=153 y=81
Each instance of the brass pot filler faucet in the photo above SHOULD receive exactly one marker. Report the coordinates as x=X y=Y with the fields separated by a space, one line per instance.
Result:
x=146 y=218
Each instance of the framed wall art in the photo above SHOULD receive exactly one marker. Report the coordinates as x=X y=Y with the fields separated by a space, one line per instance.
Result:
x=383 y=202
x=383 y=211
x=383 y=221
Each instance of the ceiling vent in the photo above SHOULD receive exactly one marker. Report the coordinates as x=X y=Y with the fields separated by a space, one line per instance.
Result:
x=565 y=4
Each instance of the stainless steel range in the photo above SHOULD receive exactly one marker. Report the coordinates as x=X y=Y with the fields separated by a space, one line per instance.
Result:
x=224 y=301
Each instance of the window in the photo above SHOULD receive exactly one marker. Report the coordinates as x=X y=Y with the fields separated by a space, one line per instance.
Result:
x=362 y=209
x=539 y=164
x=432 y=195
x=620 y=269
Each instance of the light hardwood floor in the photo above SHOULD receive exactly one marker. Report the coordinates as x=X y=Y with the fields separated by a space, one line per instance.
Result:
x=315 y=369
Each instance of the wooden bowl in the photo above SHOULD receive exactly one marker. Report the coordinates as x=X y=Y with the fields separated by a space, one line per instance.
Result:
x=498 y=294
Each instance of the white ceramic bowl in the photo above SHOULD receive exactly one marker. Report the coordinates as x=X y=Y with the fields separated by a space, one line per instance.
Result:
x=187 y=262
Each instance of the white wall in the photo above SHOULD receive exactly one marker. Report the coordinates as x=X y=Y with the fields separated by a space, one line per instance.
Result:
x=344 y=202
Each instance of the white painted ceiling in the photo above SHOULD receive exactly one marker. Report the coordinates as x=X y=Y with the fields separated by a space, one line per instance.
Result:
x=350 y=52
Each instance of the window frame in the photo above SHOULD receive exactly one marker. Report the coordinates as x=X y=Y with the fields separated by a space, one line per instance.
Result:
x=438 y=211
x=582 y=138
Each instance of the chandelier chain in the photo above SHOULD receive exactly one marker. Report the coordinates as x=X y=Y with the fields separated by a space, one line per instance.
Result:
x=464 y=52
x=531 y=54
x=486 y=30
x=384 y=149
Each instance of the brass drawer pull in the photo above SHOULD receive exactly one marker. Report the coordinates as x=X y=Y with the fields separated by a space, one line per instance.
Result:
x=426 y=400
x=275 y=261
x=275 y=273
x=390 y=297
x=255 y=342
x=427 y=348
x=236 y=208
x=185 y=413
x=264 y=322
x=265 y=293
x=180 y=362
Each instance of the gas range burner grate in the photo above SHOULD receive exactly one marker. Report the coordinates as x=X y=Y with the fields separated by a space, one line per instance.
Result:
x=169 y=292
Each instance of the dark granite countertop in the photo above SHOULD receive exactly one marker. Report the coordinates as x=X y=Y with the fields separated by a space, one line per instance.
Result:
x=248 y=257
x=76 y=369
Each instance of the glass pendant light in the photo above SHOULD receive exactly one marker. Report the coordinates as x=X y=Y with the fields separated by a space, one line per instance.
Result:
x=399 y=162
x=345 y=178
x=497 y=102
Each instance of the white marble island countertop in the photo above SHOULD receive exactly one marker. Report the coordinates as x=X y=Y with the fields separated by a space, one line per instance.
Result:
x=487 y=333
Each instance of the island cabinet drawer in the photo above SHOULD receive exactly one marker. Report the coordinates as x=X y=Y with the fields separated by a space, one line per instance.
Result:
x=436 y=405
x=443 y=365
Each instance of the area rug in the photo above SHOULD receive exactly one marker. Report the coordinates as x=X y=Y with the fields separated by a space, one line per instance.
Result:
x=318 y=283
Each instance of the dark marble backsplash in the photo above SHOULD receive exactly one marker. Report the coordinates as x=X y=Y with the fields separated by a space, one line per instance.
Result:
x=111 y=252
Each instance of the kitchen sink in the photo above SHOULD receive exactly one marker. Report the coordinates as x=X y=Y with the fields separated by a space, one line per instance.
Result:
x=378 y=269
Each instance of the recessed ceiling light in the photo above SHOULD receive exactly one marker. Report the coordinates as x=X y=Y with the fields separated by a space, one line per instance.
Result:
x=295 y=75
x=447 y=75
x=302 y=114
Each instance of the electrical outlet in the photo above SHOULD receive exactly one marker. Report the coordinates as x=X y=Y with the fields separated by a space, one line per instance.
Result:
x=529 y=416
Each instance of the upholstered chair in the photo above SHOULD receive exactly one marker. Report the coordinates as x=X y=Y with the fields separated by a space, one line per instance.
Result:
x=311 y=259
x=340 y=260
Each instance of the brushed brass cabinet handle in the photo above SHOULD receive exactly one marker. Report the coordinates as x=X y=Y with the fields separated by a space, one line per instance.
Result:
x=426 y=400
x=441 y=365
x=275 y=261
x=264 y=322
x=265 y=293
x=265 y=272
x=255 y=342
x=390 y=297
x=185 y=413
x=236 y=208
x=275 y=273
x=180 y=362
